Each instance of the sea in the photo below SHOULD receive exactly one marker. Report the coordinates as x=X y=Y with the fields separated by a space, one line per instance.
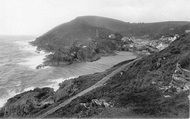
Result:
x=18 y=73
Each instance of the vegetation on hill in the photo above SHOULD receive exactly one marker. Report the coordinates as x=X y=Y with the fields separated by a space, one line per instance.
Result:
x=63 y=40
x=144 y=89
x=86 y=28
x=90 y=51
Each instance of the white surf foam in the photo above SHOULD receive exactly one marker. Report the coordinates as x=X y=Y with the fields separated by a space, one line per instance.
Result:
x=12 y=93
x=29 y=88
x=33 y=61
x=36 y=58
x=25 y=46
x=5 y=98
x=55 y=82
x=54 y=85
x=3 y=101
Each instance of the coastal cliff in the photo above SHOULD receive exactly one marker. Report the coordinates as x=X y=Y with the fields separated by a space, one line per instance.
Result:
x=144 y=88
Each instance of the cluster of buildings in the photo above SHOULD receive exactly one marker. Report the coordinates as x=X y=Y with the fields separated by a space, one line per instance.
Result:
x=187 y=31
x=163 y=42
x=140 y=46
x=143 y=46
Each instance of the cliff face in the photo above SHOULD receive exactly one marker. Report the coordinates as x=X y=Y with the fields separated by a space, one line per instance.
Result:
x=153 y=86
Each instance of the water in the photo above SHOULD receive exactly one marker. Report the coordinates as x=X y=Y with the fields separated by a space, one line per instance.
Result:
x=18 y=60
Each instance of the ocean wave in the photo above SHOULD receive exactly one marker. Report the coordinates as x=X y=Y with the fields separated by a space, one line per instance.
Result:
x=36 y=59
x=33 y=62
x=7 y=94
x=55 y=82
x=25 y=46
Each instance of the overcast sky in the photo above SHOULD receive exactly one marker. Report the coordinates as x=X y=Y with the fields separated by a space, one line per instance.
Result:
x=35 y=17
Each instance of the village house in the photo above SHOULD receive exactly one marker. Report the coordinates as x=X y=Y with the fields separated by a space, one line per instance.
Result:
x=112 y=36
x=126 y=40
x=187 y=31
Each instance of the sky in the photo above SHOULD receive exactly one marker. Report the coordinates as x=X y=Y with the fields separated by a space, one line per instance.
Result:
x=35 y=17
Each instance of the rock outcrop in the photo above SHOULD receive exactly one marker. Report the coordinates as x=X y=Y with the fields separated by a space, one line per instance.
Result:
x=28 y=103
x=181 y=79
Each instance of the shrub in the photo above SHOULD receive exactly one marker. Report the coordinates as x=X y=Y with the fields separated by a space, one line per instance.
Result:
x=145 y=100
x=185 y=62
x=175 y=51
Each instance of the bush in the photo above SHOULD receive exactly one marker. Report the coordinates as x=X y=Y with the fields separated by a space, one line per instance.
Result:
x=185 y=62
x=175 y=51
x=1 y=113
x=145 y=100
x=78 y=108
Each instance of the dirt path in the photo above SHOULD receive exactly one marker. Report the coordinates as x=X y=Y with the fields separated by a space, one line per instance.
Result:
x=98 y=84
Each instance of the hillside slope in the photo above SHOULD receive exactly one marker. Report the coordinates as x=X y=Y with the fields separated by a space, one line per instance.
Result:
x=157 y=85
x=151 y=87
x=85 y=28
